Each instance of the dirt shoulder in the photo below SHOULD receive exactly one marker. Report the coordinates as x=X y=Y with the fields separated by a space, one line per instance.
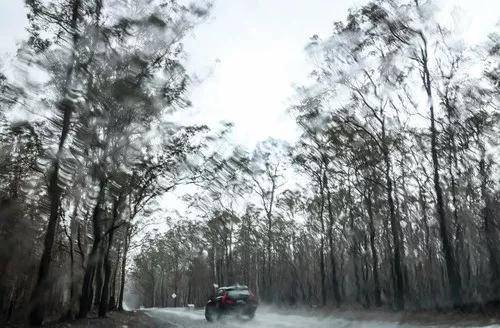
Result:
x=126 y=319
x=420 y=318
x=455 y=319
x=430 y=318
x=417 y=318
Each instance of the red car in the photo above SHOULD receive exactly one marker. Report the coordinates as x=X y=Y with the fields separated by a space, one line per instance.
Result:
x=232 y=300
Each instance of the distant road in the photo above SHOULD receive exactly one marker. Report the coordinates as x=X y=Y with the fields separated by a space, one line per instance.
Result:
x=265 y=318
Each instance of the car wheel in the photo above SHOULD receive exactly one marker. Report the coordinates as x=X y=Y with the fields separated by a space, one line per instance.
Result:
x=246 y=316
x=211 y=313
x=251 y=315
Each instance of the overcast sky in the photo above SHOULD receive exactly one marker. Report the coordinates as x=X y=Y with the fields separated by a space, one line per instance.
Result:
x=249 y=54
x=254 y=50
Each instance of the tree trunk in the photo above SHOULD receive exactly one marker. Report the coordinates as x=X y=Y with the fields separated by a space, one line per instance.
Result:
x=99 y=275
x=455 y=285
x=428 y=246
x=335 y=282
x=38 y=300
x=73 y=283
x=452 y=167
x=490 y=228
x=124 y=265
x=399 y=303
x=322 y=244
x=269 y=251
x=103 y=303
x=87 y=294
x=354 y=246
x=104 y=300
x=112 y=299
x=376 y=281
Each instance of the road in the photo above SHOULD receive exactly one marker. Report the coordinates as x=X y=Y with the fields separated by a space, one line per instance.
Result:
x=267 y=318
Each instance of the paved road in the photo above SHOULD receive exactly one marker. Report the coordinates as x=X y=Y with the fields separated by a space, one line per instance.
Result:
x=264 y=318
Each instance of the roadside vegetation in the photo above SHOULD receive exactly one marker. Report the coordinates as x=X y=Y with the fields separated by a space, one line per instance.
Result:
x=86 y=147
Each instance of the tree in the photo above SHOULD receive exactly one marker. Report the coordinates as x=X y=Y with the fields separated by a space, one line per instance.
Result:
x=109 y=81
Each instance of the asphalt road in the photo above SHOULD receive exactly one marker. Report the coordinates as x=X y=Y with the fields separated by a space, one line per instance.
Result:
x=267 y=318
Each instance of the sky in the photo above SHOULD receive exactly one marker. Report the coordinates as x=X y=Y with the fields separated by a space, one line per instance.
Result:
x=250 y=56
x=247 y=58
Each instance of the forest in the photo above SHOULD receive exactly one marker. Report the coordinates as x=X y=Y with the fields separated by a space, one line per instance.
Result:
x=389 y=198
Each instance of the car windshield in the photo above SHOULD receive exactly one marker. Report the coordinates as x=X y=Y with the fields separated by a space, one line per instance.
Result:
x=317 y=164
